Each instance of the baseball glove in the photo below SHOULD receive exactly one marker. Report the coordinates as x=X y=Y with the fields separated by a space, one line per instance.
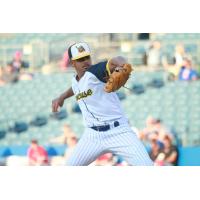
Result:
x=118 y=78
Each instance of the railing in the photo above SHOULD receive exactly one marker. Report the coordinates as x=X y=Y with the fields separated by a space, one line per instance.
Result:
x=42 y=51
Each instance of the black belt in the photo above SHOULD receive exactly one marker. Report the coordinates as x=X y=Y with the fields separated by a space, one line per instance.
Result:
x=104 y=127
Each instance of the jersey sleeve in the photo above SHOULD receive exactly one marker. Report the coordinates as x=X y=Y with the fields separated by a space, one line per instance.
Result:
x=100 y=70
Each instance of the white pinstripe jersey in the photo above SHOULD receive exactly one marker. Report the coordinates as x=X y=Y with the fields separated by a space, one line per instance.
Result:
x=97 y=106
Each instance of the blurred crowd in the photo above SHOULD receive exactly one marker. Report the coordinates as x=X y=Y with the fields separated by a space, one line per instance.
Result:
x=37 y=155
x=160 y=141
x=18 y=69
x=180 y=68
x=15 y=70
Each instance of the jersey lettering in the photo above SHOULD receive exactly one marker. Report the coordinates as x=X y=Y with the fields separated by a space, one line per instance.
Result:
x=84 y=94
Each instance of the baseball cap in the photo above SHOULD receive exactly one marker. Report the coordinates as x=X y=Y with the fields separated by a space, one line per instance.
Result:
x=78 y=50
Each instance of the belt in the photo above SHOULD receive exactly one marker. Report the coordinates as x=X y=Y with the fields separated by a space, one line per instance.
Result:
x=104 y=127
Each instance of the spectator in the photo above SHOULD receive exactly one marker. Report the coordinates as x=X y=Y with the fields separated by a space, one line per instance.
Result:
x=8 y=75
x=143 y=134
x=18 y=63
x=105 y=159
x=156 y=148
x=71 y=143
x=179 y=55
x=154 y=130
x=62 y=139
x=64 y=63
x=173 y=69
x=154 y=54
x=187 y=73
x=69 y=139
x=161 y=131
x=37 y=155
x=169 y=155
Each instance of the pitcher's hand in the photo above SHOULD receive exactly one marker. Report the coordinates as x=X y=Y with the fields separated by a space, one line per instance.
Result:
x=56 y=103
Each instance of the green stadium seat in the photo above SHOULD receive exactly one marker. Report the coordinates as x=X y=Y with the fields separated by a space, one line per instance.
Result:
x=177 y=104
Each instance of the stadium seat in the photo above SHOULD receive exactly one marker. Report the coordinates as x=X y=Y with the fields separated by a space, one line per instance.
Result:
x=39 y=121
x=156 y=83
x=56 y=150
x=19 y=127
x=121 y=95
x=138 y=89
x=62 y=114
x=2 y=134
x=76 y=108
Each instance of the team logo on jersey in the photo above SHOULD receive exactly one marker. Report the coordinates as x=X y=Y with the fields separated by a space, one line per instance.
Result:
x=84 y=94
x=80 y=49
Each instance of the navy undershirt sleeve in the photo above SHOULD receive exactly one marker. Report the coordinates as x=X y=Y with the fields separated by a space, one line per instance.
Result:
x=99 y=70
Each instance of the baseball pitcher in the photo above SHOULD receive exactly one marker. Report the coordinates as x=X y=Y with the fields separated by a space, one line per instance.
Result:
x=106 y=126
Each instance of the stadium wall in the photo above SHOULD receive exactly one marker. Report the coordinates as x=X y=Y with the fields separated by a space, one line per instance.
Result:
x=188 y=156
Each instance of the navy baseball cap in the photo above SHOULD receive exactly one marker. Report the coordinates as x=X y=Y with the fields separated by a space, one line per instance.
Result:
x=78 y=50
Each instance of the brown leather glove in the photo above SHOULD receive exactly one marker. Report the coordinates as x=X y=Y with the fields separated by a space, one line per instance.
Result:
x=118 y=78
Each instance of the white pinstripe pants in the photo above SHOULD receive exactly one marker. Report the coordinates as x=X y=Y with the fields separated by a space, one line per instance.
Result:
x=121 y=141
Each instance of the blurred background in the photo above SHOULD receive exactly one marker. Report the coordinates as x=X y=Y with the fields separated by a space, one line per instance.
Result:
x=162 y=102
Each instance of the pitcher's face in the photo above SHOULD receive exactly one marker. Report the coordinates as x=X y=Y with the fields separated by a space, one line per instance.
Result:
x=82 y=64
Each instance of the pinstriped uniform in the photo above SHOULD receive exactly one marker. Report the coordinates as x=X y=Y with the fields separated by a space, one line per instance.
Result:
x=101 y=108
x=120 y=140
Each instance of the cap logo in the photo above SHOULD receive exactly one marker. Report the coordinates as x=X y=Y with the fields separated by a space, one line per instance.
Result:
x=80 y=49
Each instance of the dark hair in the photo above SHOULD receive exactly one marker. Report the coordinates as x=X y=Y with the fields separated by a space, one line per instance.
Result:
x=158 y=121
x=153 y=140
x=69 y=51
x=166 y=137
x=74 y=138
x=34 y=141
